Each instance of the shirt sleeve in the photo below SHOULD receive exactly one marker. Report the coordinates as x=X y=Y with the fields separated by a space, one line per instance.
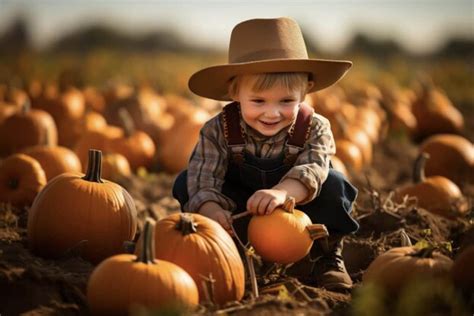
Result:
x=312 y=164
x=207 y=168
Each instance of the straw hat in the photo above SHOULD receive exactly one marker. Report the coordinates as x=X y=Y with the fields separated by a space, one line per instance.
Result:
x=266 y=46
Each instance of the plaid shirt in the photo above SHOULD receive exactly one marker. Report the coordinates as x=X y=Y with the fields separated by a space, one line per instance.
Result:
x=208 y=164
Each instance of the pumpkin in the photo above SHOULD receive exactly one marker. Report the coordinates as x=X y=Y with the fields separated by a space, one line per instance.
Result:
x=21 y=178
x=435 y=113
x=54 y=159
x=178 y=141
x=452 y=156
x=96 y=139
x=357 y=136
x=203 y=248
x=123 y=281
x=67 y=108
x=82 y=211
x=462 y=272
x=115 y=167
x=136 y=146
x=349 y=154
x=436 y=194
x=285 y=236
x=398 y=266
x=26 y=128
x=7 y=110
x=93 y=99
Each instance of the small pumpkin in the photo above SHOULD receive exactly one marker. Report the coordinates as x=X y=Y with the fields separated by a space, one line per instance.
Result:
x=71 y=212
x=25 y=128
x=338 y=165
x=136 y=145
x=54 y=160
x=436 y=194
x=285 y=236
x=203 y=248
x=21 y=179
x=357 y=136
x=123 y=281
x=395 y=268
x=349 y=154
x=115 y=167
x=452 y=156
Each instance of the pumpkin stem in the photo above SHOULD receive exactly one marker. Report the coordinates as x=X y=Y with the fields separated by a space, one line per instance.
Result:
x=186 y=224
x=26 y=107
x=147 y=253
x=94 y=166
x=419 y=168
x=127 y=122
x=317 y=231
x=426 y=252
x=289 y=204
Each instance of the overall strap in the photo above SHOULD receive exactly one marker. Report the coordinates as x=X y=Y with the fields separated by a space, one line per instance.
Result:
x=299 y=134
x=233 y=132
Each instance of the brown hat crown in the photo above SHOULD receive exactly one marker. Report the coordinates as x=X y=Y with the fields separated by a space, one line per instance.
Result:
x=266 y=46
x=263 y=39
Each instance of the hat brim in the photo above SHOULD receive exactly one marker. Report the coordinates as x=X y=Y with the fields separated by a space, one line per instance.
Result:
x=213 y=82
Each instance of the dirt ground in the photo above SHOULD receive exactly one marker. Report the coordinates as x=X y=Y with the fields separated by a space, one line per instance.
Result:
x=30 y=285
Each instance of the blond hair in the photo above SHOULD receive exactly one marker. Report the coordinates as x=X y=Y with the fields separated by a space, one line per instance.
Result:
x=291 y=81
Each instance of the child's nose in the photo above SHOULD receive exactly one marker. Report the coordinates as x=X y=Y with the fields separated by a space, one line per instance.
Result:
x=272 y=112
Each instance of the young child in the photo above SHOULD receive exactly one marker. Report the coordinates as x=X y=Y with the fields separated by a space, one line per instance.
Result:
x=267 y=145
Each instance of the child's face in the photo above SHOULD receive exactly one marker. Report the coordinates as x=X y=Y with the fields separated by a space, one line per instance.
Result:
x=268 y=111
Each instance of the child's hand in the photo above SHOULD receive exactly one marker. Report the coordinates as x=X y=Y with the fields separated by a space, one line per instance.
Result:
x=264 y=202
x=223 y=217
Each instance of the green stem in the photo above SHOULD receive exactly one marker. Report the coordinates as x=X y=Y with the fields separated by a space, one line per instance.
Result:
x=26 y=107
x=147 y=253
x=186 y=224
x=94 y=166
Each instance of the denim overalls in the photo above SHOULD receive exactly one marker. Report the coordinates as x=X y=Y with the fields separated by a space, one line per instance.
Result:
x=247 y=173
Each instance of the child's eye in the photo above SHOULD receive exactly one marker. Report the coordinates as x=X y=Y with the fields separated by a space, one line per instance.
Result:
x=288 y=100
x=257 y=100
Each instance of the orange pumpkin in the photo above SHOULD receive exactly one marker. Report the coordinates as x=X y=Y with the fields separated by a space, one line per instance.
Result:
x=202 y=247
x=21 y=178
x=123 y=281
x=397 y=267
x=451 y=156
x=436 y=194
x=25 y=128
x=349 y=154
x=435 y=113
x=136 y=146
x=115 y=167
x=71 y=213
x=285 y=236
x=338 y=165
x=7 y=110
x=54 y=159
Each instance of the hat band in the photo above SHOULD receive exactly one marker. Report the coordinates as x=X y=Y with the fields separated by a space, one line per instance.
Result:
x=270 y=54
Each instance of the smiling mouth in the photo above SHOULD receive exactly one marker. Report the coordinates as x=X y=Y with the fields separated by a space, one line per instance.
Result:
x=269 y=123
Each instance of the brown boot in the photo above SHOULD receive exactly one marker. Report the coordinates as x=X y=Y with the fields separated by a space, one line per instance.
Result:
x=329 y=270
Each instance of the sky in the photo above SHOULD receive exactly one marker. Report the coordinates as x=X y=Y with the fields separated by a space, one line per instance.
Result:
x=419 y=25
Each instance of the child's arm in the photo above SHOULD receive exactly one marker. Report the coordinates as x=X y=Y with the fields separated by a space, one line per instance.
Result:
x=216 y=212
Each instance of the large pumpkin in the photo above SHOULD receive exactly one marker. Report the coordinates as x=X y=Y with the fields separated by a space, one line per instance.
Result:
x=285 y=236
x=84 y=212
x=462 y=272
x=436 y=194
x=21 y=179
x=397 y=267
x=123 y=281
x=452 y=156
x=203 y=248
